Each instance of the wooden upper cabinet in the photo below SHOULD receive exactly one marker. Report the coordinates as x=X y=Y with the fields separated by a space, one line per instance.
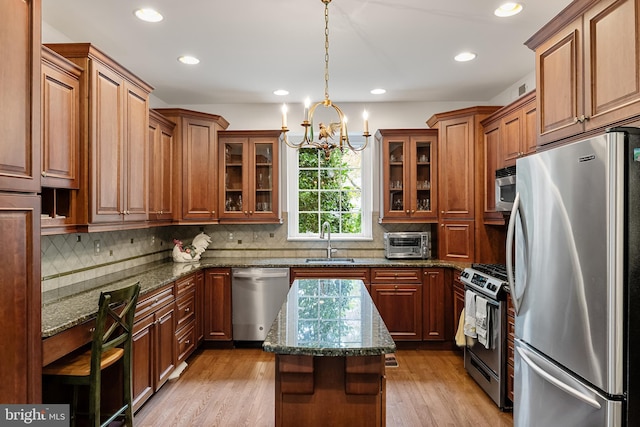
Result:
x=161 y=168
x=60 y=127
x=248 y=176
x=20 y=92
x=409 y=178
x=587 y=68
x=196 y=164
x=509 y=134
x=114 y=122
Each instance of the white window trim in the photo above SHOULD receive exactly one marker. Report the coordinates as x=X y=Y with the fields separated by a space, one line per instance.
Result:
x=291 y=163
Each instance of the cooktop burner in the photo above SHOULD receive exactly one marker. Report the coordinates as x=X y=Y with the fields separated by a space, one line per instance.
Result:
x=488 y=279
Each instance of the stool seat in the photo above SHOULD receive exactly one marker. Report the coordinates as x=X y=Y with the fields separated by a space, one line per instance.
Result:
x=79 y=365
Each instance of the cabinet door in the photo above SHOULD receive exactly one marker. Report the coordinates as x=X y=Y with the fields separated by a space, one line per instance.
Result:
x=142 y=355
x=234 y=154
x=200 y=306
x=106 y=162
x=559 y=83
x=612 y=62
x=400 y=307
x=456 y=159
x=433 y=310
x=161 y=146
x=423 y=150
x=530 y=130
x=511 y=134
x=456 y=241
x=20 y=92
x=135 y=155
x=199 y=183
x=492 y=156
x=60 y=127
x=217 y=297
x=21 y=353
x=264 y=179
x=395 y=192
x=165 y=336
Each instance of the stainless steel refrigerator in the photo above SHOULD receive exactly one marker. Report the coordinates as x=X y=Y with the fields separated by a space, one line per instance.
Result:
x=575 y=224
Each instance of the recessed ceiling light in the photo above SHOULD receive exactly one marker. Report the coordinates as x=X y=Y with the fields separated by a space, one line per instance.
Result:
x=281 y=92
x=508 y=9
x=378 y=91
x=465 y=56
x=190 y=60
x=149 y=15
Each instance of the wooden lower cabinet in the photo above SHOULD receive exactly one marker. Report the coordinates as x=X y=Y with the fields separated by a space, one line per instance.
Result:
x=200 y=306
x=217 y=305
x=434 y=299
x=186 y=313
x=397 y=294
x=154 y=348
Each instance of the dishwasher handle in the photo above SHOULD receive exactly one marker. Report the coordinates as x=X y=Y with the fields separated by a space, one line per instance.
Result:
x=263 y=273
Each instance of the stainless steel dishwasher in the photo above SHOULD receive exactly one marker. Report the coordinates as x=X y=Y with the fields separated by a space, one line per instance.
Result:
x=257 y=295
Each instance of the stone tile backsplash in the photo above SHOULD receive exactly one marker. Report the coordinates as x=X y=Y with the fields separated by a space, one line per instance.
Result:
x=73 y=258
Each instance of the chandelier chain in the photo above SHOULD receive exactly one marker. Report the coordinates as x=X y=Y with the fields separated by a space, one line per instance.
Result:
x=326 y=51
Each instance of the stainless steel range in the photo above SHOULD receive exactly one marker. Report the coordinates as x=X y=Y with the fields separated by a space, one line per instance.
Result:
x=486 y=362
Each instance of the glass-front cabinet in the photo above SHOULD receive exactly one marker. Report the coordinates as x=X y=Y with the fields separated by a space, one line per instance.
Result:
x=408 y=160
x=249 y=176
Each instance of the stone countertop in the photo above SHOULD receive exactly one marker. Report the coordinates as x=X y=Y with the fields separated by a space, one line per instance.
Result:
x=329 y=317
x=81 y=302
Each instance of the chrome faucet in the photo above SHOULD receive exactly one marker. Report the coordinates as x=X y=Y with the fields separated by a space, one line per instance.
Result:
x=327 y=226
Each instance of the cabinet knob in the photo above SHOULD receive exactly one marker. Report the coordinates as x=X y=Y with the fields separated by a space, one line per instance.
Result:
x=187 y=342
x=250 y=212
x=186 y=310
x=442 y=225
x=44 y=174
x=442 y=212
x=213 y=212
x=395 y=287
x=407 y=210
x=413 y=210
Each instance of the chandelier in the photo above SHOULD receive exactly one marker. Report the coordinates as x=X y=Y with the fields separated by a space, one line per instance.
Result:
x=327 y=138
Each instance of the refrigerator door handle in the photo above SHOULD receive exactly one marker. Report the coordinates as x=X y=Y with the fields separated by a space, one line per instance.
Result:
x=556 y=382
x=515 y=211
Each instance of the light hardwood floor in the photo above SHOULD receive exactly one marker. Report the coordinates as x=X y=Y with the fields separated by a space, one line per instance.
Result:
x=236 y=388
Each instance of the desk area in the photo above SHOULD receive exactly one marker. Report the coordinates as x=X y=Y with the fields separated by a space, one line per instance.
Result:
x=330 y=344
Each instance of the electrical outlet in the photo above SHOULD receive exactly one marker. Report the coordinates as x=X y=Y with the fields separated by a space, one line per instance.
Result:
x=256 y=236
x=230 y=236
x=153 y=240
x=96 y=247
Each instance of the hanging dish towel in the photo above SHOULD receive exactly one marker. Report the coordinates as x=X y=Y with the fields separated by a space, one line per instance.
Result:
x=461 y=339
x=470 y=314
x=483 y=322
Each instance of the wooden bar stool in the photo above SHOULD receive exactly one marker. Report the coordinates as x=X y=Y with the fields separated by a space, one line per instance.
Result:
x=111 y=343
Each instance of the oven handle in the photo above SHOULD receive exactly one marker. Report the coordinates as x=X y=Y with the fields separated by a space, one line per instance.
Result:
x=515 y=211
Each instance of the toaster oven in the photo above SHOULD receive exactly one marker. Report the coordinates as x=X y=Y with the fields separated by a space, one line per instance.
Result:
x=410 y=244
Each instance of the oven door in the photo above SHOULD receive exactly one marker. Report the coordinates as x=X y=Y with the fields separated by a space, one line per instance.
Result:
x=505 y=192
x=493 y=356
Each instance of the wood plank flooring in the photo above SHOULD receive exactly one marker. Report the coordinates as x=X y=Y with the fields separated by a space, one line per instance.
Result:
x=230 y=388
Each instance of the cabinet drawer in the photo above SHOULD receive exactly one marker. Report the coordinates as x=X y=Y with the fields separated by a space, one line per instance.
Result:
x=185 y=285
x=67 y=341
x=396 y=275
x=510 y=371
x=186 y=341
x=186 y=309
x=154 y=300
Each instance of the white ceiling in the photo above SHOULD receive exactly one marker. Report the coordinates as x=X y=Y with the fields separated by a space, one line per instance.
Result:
x=248 y=48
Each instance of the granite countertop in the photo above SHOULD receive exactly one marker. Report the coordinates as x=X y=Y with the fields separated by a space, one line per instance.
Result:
x=80 y=302
x=329 y=317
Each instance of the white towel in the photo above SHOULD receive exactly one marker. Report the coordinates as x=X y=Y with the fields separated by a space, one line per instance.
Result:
x=470 y=314
x=483 y=322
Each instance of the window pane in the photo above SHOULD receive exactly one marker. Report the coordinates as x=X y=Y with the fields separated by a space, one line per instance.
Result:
x=350 y=201
x=308 y=180
x=307 y=158
x=308 y=201
x=308 y=223
x=351 y=223
x=332 y=178
x=329 y=201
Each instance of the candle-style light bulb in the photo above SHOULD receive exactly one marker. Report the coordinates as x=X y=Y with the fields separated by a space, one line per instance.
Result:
x=284 y=115
x=307 y=103
x=365 y=116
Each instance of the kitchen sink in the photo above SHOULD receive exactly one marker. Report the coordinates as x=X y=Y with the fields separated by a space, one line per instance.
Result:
x=329 y=260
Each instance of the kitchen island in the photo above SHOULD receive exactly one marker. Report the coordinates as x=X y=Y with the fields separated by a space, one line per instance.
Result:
x=330 y=345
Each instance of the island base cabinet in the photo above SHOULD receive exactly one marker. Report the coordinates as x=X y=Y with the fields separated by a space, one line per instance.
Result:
x=324 y=390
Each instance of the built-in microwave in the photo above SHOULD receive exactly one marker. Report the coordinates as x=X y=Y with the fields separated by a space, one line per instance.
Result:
x=409 y=244
x=505 y=188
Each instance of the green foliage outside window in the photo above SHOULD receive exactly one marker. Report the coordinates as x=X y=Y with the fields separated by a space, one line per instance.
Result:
x=329 y=190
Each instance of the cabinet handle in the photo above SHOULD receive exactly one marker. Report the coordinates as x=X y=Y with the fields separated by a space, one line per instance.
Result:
x=442 y=212
x=92 y=330
x=395 y=287
x=186 y=310
x=44 y=174
x=407 y=210
x=187 y=342
x=250 y=212
x=246 y=213
x=413 y=210
x=213 y=212
x=155 y=301
x=441 y=225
